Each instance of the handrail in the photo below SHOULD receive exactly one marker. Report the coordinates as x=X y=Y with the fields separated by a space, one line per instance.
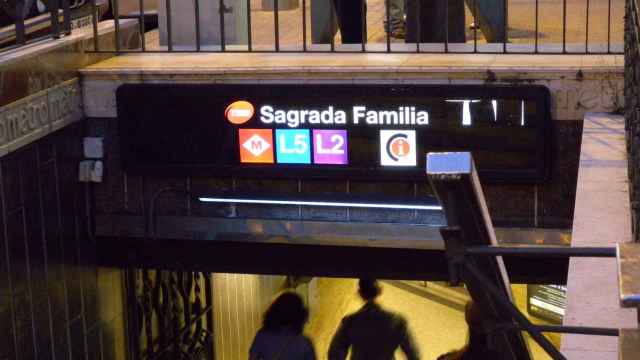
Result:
x=474 y=255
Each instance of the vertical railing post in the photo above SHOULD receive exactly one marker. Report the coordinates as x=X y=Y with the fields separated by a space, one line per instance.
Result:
x=586 y=37
x=446 y=26
x=564 y=26
x=537 y=30
x=304 y=25
x=142 y=26
x=363 y=24
x=196 y=8
x=387 y=29
x=54 y=10
x=169 y=26
x=19 y=22
x=475 y=26
x=221 y=11
x=66 y=13
x=505 y=25
x=249 y=38
x=418 y=26
x=94 y=24
x=609 y=28
x=276 y=24
x=116 y=23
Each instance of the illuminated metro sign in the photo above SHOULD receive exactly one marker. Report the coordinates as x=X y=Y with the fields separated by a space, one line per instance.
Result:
x=404 y=115
x=332 y=131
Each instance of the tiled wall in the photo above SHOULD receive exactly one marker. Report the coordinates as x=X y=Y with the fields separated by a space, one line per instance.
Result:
x=239 y=301
x=54 y=302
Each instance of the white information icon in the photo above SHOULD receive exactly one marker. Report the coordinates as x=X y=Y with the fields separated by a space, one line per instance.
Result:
x=398 y=148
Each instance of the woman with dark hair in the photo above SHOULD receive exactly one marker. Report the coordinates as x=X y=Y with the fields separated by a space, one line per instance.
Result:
x=280 y=337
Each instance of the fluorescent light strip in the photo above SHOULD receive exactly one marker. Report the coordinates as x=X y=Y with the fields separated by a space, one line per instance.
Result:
x=321 y=203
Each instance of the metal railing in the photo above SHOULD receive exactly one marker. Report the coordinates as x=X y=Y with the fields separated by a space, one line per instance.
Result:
x=475 y=257
x=443 y=26
x=24 y=21
x=586 y=27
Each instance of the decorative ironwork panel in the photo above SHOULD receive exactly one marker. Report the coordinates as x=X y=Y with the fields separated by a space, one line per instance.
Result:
x=171 y=315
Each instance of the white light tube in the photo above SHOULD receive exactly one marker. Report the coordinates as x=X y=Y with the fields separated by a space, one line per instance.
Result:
x=320 y=203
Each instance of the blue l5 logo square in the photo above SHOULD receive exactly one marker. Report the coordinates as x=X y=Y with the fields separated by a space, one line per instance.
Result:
x=293 y=146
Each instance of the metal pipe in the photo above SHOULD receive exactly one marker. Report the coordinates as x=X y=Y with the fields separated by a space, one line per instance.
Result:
x=388 y=29
x=196 y=6
x=505 y=25
x=169 y=34
x=542 y=251
x=419 y=26
x=564 y=26
x=507 y=305
x=446 y=26
x=586 y=39
x=537 y=29
x=94 y=23
x=609 y=28
x=304 y=25
x=579 y=330
x=363 y=23
x=249 y=40
x=142 y=26
x=221 y=9
x=116 y=23
x=276 y=24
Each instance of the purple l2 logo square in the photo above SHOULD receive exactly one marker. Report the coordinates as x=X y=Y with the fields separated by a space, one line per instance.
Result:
x=330 y=147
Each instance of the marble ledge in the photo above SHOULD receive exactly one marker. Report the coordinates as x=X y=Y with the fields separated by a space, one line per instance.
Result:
x=399 y=64
x=502 y=74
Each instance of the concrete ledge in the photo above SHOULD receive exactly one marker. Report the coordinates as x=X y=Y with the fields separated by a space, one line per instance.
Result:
x=578 y=83
x=601 y=218
x=155 y=63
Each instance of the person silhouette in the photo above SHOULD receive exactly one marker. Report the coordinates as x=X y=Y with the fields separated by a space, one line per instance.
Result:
x=372 y=332
x=280 y=337
x=477 y=346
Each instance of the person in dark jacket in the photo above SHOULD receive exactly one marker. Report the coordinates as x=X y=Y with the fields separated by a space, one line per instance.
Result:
x=280 y=337
x=372 y=333
x=352 y=19
x=477 y=347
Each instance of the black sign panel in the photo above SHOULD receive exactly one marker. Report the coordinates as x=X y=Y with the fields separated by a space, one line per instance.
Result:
x=354 y=131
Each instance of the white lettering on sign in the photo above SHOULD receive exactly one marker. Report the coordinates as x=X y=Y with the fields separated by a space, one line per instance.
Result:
x=37 y=115
x=256 y=145
x=300 y=145
x=404 y=115
x=294 y=118
x=337 y=142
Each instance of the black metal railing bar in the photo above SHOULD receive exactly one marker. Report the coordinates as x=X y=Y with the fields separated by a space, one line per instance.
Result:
x=488 y=34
